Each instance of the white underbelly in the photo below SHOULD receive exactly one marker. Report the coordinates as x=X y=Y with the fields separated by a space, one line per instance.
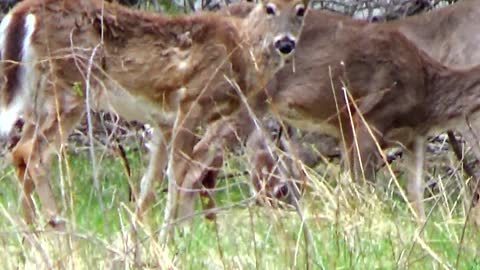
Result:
x=133 y=108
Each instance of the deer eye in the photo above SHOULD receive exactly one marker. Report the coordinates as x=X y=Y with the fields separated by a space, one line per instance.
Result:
x=300 y=10
x=270 y=9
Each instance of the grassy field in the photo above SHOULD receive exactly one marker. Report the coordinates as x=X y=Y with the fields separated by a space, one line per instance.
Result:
x=351 y=227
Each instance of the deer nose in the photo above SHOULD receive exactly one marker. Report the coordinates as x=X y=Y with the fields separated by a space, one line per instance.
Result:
x=285 y=45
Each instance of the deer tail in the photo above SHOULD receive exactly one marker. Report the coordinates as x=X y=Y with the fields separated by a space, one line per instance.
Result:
x=16 y=67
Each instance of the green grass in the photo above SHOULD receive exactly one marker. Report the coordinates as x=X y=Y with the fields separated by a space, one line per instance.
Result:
x=352 y=227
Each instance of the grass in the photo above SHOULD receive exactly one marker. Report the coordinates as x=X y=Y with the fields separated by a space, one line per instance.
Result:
x=352 y=227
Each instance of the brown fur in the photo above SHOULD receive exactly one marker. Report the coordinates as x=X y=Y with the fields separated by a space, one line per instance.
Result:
x=455 y=46
x=418 y=108
x=305 y=96
x=239 y=9
x=167 y=71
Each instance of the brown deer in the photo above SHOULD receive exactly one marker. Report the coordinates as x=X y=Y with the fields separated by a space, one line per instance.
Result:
x=61 y=58
x=453 y=45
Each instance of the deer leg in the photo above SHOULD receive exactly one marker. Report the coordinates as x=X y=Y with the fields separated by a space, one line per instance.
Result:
x=231 y=132
x=156 y=165
x=364 y=154
x=40 y=168
x=207 y=154
x=346 y=140
x=26 y=183
x=58 y=131
x=265 y=174
x=208 y=180
x=181 y=193
x=27 y=158
x=32 y=158
x=366 y=157
x=294 y=166
x=415 y=159
x=470 y=135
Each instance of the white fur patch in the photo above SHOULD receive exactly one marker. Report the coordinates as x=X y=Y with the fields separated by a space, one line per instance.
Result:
x=28 y=78
x=30 y=23
x=283 y=35
x=9 y=116
x=3 y=27
x=183 y=65
x=6 y=116
x=119 y=100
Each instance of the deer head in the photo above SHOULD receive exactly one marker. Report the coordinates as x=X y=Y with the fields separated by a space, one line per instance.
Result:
x=284 y=21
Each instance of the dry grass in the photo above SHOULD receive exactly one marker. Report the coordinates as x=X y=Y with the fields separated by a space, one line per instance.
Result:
x=352 y=226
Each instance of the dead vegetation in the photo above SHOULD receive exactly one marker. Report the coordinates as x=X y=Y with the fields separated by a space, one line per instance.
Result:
x=338 y=205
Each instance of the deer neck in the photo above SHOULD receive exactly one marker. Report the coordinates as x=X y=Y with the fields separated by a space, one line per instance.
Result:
x=257 y=44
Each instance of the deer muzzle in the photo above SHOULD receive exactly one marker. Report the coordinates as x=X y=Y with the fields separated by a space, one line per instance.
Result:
x=285 y=45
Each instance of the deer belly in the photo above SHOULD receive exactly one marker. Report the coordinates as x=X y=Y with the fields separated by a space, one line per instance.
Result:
x=133 y=108
x=470 y=123
x=306 y=122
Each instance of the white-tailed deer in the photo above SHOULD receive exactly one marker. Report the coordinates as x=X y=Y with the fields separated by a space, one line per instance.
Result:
x=446 y=35
x=454 y=46
x=61 y=58
x=402 y=89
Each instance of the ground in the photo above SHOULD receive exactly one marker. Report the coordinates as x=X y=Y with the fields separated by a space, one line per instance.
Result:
x=351 y=226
